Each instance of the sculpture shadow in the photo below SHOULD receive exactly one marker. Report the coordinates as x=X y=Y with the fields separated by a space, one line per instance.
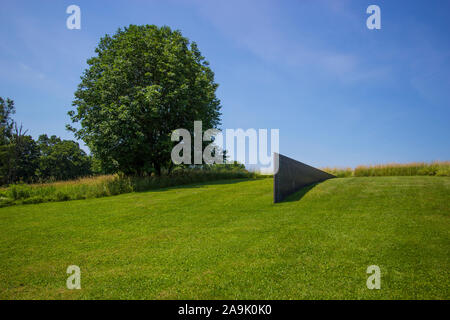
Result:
x=297 y=196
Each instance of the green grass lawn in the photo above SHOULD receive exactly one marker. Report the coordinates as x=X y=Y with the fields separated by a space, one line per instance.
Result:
x=229 y=241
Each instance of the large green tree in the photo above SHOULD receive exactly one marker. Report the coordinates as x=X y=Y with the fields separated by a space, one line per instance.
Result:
x=61 y=159
x=143 y=83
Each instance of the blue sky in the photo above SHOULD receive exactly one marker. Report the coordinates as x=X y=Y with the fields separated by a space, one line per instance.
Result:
x=341 y=94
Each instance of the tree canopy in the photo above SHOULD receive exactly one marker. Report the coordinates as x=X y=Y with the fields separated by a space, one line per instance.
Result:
x=143 y=83
x=61 y=159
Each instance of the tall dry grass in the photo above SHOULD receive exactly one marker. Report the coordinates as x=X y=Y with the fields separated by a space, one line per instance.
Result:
x=339 y=172
x=436 y=168
x=109 y=185
x=409 y=169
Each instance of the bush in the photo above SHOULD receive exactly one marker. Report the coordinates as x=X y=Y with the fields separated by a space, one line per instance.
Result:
x=19 y=191
x=32 y=200
x=62 y=196
x=118 y=185
x=443 y=171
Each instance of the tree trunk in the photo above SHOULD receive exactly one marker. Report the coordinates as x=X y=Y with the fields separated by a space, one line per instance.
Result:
x=157 y=169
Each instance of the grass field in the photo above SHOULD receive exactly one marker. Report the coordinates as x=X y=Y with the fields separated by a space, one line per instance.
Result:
x=228 y=240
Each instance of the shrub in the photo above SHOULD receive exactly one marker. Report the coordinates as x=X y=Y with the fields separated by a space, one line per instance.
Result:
x=19 y=191
x=62 y=196
x=32 y=200
x=443 y=171
x=118 y=185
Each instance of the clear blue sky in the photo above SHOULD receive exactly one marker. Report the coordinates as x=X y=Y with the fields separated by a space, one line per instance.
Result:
x=341 y=94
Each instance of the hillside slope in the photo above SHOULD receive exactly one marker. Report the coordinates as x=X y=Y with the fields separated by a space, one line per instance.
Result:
x=228 y=240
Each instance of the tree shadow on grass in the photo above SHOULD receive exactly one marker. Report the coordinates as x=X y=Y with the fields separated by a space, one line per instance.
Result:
x=297 y=196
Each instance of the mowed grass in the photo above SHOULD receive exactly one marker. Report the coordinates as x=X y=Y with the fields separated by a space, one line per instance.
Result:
x=227 y=240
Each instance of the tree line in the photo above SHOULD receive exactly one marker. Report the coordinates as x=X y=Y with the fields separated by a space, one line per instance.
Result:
x=23 y=159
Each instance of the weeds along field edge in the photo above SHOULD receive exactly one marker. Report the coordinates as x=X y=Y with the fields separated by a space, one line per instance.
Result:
x=109 y=185
x=437 y=168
